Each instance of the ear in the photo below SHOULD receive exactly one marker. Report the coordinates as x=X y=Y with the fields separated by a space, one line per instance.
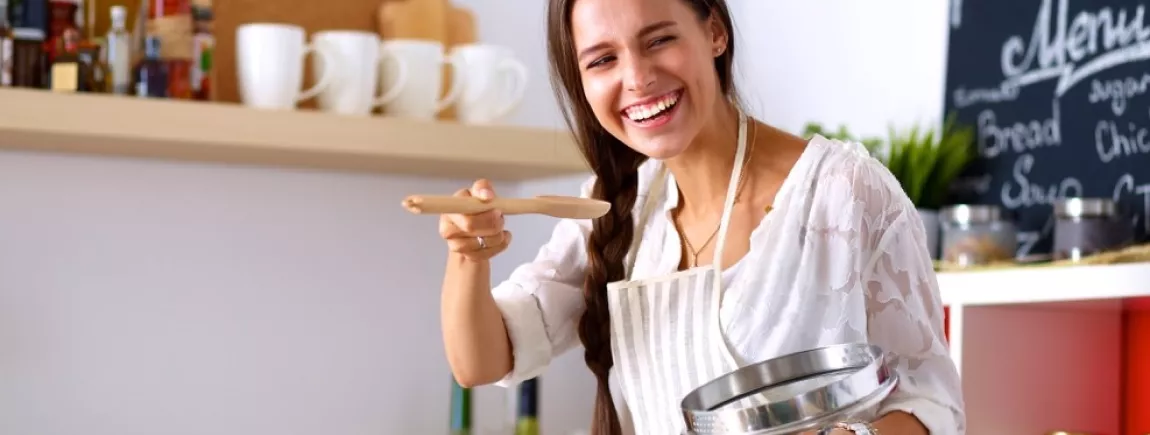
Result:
x=720 y=36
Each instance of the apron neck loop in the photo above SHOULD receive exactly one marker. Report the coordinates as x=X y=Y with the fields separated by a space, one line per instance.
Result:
x=732 y=188
x=659 y=182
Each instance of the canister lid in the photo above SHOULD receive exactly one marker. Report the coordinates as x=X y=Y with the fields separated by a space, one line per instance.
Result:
x=27 y=34
x=1085 y=207
x=971 y=214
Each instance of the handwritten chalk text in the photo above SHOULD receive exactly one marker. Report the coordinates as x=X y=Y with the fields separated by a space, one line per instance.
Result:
x=1021 y=192
x=1114 y=142
x=1020 y=137
x=1118 y=91
x=1108 y=38
x=1128 y=187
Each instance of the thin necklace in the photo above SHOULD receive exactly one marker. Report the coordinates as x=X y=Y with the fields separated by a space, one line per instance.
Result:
x=738 y=190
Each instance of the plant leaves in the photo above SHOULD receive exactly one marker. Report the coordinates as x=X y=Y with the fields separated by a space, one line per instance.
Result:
x=955 y=153
x=925 y=161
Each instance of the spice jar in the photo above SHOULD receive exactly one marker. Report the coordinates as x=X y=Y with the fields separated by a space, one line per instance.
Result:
x=976 y=235
x=28 y=58
x=1087 y=226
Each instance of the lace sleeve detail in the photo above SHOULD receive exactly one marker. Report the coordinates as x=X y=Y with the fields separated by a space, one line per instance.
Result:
x=905 y=318
x=902 y=302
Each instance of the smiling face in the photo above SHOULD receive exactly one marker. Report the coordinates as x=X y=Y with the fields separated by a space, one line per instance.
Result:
x=648 y=70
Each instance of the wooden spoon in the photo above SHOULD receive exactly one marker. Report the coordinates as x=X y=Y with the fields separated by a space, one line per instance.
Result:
x=566 y=207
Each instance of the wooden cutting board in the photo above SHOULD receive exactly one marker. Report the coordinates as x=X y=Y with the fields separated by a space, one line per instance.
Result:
x=461 y=27
x=414 y=19
x=461 y=32
x=437 y=20
x=312 y=15
x=424 y=19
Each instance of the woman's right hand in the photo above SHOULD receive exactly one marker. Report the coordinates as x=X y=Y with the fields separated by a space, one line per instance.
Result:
x=478 y=236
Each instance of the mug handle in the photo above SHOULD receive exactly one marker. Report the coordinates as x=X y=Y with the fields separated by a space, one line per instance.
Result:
x=325 y=56
x=400 y=82
x=518 y=73
x=456 y=83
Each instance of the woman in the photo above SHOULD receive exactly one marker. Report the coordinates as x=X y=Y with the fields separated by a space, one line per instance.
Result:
x=729 y=241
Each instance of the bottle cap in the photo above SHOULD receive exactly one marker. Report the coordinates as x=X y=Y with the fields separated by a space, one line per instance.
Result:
x=119 y=15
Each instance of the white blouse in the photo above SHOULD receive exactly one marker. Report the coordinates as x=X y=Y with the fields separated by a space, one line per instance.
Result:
x=841 y=258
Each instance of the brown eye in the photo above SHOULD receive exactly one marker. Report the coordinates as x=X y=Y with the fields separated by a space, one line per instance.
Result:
x=661 y=41
x=600 y=61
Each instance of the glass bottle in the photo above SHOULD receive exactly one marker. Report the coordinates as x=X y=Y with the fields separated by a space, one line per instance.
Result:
x=527 y=421
x=151 y=75
x=117 y=52
x=62 y=17
x=61 y=21
x=94 y=71
x=460 y=409
x=66 y=64
x=29 y=19
x=172 y=21
x=7 y=47
x=28 y=58
x=203 y=47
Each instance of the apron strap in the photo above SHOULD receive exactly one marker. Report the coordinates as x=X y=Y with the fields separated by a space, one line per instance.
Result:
x=729 y=205
x=659 y=182
x=657 y=185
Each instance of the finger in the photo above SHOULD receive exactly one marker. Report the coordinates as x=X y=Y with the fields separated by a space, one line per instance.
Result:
x=481 y=224
x=451 y=231
x=477 y=244
x=483 y=190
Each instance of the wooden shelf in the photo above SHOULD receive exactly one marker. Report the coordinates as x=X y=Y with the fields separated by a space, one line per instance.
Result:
x=1031 y=285
x=229 y=133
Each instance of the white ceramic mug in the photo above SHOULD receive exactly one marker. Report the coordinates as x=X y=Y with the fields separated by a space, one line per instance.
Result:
x=269 y=59
x=355 y=72
x=419 y=97
x=494 y=82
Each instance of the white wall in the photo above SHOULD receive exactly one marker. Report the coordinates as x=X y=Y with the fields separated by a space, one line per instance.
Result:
x=148 y=297
x=866 y=64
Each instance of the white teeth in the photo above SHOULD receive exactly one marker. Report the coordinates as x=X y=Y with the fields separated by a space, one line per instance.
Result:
x=638 y=113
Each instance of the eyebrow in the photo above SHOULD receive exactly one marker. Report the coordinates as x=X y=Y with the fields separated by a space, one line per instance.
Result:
x=650 y=28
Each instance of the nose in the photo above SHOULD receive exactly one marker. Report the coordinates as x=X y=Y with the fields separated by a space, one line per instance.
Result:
x=638 y=74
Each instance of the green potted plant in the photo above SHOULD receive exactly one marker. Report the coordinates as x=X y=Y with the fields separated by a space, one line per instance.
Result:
x=925 y=162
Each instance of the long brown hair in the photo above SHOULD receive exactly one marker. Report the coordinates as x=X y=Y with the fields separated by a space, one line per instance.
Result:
x=616 y=171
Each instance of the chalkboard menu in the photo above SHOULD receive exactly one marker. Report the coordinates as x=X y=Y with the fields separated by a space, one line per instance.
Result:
x=1059 y=92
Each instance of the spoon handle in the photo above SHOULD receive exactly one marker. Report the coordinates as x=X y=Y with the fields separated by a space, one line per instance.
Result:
x=434 y=204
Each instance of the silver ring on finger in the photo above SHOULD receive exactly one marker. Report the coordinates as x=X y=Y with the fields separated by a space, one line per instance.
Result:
x=482 y=242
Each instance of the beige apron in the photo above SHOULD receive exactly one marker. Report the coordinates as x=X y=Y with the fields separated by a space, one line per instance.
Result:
x=666 y=336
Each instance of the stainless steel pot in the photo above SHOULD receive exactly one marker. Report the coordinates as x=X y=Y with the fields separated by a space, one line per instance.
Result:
x=793 y=393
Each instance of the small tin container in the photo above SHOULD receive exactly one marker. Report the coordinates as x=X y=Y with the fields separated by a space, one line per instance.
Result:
x=1088 y=226
x=793 y=394
x=975 y=235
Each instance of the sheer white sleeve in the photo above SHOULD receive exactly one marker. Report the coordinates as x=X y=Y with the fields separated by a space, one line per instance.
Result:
x=905 y=317
x=542 y=300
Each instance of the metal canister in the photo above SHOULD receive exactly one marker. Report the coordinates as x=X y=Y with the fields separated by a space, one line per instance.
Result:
x=977 y=234
x=1087 y=226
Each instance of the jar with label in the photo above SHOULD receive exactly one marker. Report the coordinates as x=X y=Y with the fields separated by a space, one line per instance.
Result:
x=1088 y=226
x=28 y=60
x=6 y=46
x=975 y=235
